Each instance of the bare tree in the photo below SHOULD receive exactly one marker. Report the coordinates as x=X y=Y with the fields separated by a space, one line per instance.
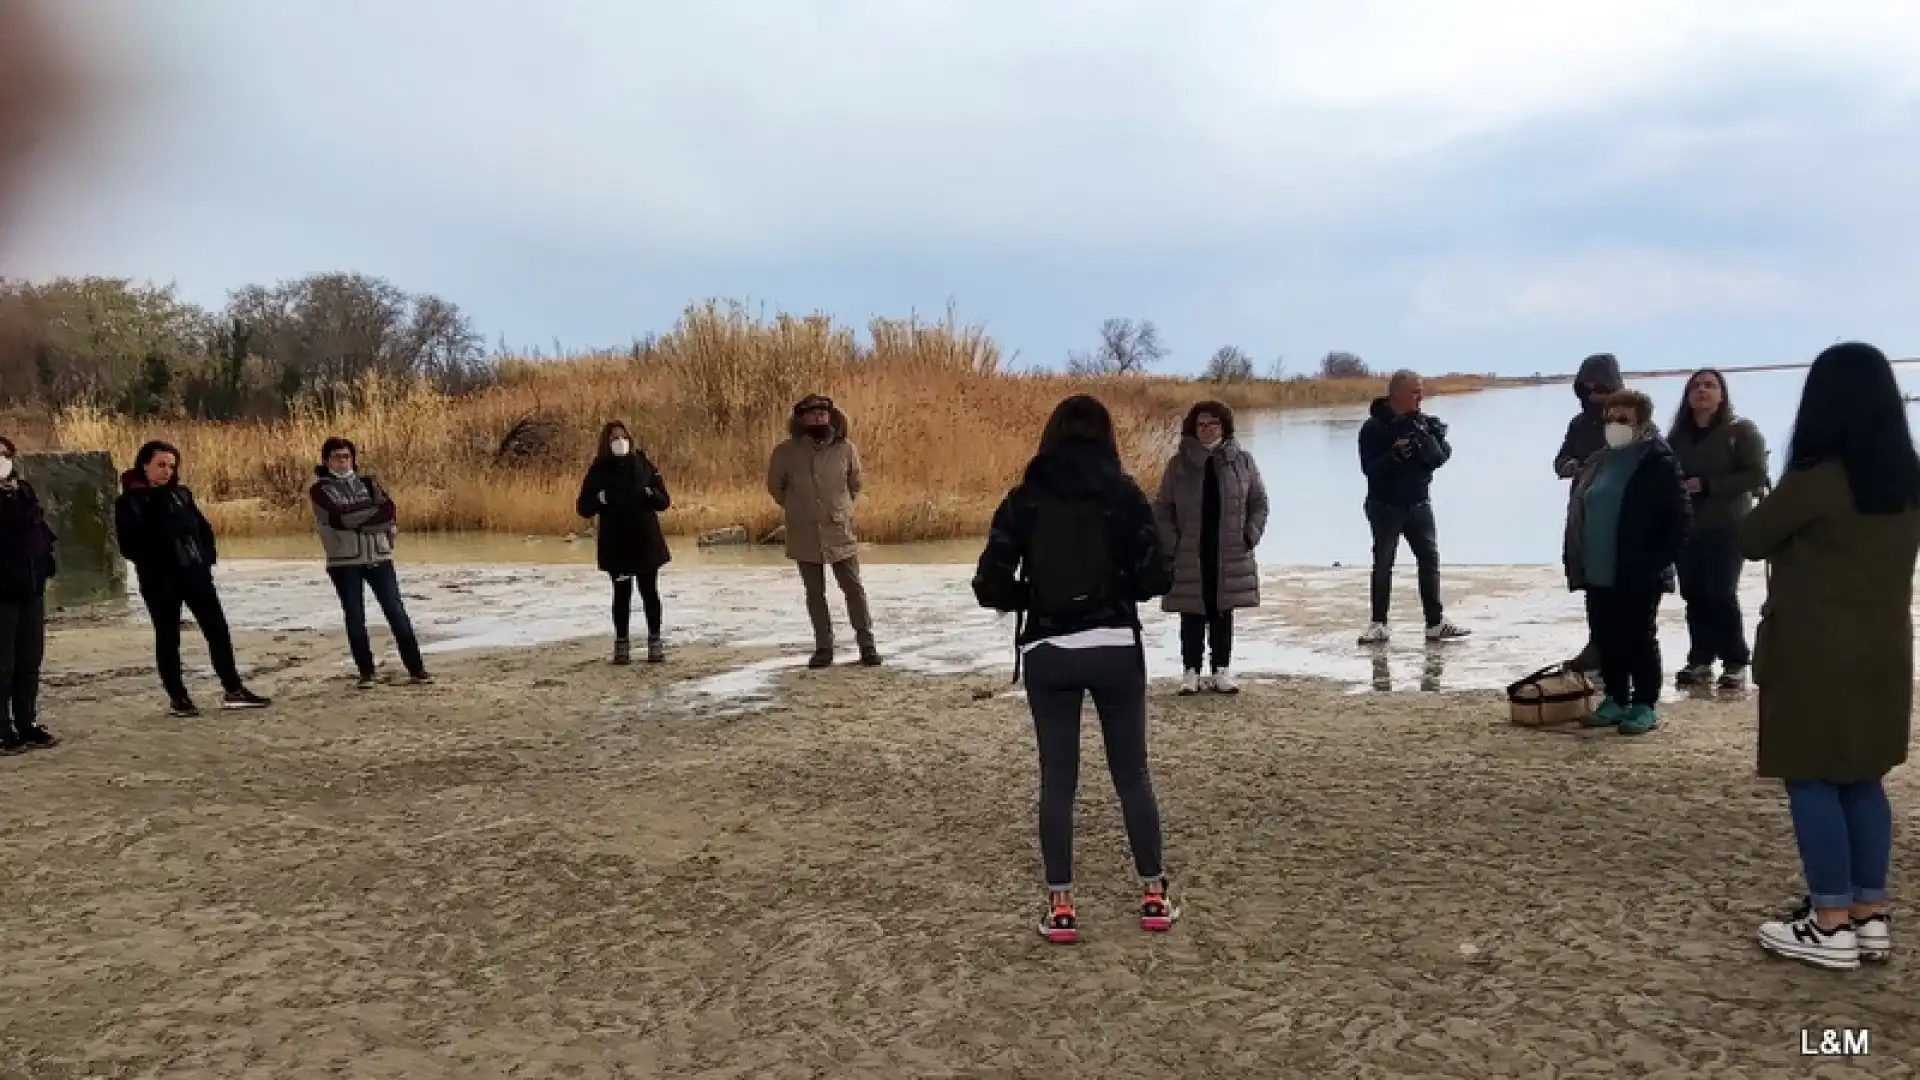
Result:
x=1344 y=365
x=1126 y=348
x=1278 y=369
x=1229 y=364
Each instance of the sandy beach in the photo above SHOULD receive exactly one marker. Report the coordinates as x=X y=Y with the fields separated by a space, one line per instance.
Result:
x=550 y=867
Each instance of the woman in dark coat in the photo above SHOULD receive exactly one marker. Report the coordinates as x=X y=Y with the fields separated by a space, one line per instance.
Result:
x=1833 y=654
x=1211 y=510
x=26 y=564
x=625 y=491
x=1725 y=459
x=1627 y=522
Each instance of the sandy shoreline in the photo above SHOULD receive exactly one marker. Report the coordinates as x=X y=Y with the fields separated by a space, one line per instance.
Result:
x=549 y=867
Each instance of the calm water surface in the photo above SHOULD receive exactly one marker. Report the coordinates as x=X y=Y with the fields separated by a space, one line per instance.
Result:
x=1497 y=501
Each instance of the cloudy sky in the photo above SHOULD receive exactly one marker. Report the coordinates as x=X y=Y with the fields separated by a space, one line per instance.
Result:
x=1481 y=185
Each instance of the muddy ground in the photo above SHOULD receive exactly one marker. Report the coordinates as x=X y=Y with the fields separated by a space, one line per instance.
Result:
x=549 y=867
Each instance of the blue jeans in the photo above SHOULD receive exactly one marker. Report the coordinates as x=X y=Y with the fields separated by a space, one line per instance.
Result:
x=351 y=582
x=1845 y=832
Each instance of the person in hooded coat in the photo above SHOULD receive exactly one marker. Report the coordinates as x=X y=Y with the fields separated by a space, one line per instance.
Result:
x=1599 y=376
x=358 y=526
x=1725 y=459
x=26 y=565
x=1628 y=516
x=1833 y=654
x=163 y=534
x=815 y=477
x=1212 y=511
x=627 y=493
x=1075 y=549
x=1400 y=448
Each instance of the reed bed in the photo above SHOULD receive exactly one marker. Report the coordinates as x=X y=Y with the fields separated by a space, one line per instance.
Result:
x=942 y=430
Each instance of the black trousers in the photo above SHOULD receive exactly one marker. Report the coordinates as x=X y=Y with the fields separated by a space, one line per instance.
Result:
x=1629 y=641
x=23 y=647
x=1710 y=584
x=1058 y=681
x=192 y=589
x=1198 y=631
x=1416 y=524
x=649 y=582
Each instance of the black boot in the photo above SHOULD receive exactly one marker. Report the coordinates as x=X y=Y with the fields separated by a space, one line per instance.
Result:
x=656 y=650
x=869 y=652
x=821 y=658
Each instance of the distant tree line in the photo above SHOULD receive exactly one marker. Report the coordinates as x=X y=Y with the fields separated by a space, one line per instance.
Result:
x=142 y=350
x=1129 y=347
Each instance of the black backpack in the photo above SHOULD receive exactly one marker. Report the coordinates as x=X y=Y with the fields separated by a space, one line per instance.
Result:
x=1068 y=565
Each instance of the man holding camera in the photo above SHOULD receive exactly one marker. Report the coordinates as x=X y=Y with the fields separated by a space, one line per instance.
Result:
x=1400 y=447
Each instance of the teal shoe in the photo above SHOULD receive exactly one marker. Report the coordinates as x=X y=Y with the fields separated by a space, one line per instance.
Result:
x=1640 y=720
x=1608 y=714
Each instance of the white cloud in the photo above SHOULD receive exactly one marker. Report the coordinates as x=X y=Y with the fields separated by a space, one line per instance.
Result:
x=1604 y=286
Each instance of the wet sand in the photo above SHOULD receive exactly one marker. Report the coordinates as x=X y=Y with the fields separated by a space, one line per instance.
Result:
x=550 y=867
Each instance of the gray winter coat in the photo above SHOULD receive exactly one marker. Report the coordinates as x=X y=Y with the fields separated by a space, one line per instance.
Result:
x=1243 y=520
x=354 y=517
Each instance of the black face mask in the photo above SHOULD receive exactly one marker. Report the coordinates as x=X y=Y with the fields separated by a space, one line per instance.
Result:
x=819 y=431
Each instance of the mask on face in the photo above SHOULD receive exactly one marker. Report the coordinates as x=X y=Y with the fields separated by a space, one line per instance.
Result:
x=1619 y=435
x=6 y=469
x=620 y=447
x=1212 y=444
x=341 y=474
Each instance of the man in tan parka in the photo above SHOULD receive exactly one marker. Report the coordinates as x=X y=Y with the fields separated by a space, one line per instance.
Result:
x=815 y=477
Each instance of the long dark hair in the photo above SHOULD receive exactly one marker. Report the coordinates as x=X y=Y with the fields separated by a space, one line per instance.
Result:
x=147 y=453
x=1190 y=427
x=1683 y=416
x=1851 y=411
x=1080 y=419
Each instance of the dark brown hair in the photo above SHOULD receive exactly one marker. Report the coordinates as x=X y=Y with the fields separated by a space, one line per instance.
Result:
x=1080 y=419
x=1191 y=426
x=1641 y=404
x=604 y=449
x=1683 y=416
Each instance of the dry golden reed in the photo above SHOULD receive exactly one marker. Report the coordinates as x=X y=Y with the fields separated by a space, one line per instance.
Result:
x=942 y=431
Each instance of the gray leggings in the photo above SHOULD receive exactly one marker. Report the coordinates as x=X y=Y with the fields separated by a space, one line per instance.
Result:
x=1057 y=681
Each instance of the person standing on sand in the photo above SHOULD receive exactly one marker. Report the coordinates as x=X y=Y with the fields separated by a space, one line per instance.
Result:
x=1833 y=654
x=1598 y=378
x=1400 y=447
x=1075 y=549
x=625 y=491
x=1627 y=522
x=815 y=477
x=1212 y=511
x=1724 y=457
x=163 y=534
x=26 y=565
x=358 y=525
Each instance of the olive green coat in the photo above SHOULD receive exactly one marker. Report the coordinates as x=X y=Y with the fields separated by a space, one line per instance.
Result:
x=1833 y=654
x=1730 y=461
x=816 y=483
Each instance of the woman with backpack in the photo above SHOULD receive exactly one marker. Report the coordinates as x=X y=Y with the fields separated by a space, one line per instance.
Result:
x=170 y=544
x=1626 y=524
x=625 y=491
x=1833 y=654
x=1212 y=510
x=1075 y=549
x=1724 y=457
x=26 y=565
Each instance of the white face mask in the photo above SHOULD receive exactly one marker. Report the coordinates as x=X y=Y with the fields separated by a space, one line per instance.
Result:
x=1213 y=444
x=620 y=447
x=1619 y=435
x=6 y=469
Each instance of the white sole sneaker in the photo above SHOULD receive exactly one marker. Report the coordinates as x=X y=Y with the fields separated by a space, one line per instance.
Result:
x=1875 y=938
x=1800 y=938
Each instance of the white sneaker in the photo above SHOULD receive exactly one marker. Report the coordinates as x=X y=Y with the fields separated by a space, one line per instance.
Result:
x=1446 y=631
x=1799 y=937
x=1875 y=937
x=1223 y=682
x=1376 y=634
x=1189 y=683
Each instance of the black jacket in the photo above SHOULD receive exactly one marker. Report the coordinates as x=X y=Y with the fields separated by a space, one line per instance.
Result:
x=26 y=544
x=1074 y=471
x=1656 y=516
x=161 y=530
x=630 y=538
x=1586 y=436
x=1399 y=454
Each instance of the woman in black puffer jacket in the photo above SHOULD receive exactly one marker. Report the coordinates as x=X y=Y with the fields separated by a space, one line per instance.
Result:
x=625 y=491
x=26 y=564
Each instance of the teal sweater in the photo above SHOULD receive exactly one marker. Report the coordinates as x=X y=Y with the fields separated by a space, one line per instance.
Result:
x=1601 y=503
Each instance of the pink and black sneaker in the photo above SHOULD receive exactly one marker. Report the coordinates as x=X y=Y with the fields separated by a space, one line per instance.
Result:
x=1158 y=912
x=1060 y=926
